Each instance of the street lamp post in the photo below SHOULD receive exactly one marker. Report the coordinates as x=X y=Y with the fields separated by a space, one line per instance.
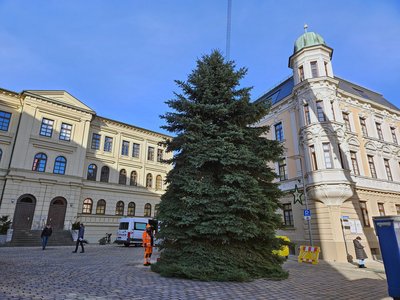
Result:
x=305 y=195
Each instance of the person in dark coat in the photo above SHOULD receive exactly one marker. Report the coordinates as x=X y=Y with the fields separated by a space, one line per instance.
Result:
x=360 y=252
x=80 y=239
x=46 y=233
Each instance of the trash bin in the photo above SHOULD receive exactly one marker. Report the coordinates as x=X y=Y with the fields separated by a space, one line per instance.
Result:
x=388 y=231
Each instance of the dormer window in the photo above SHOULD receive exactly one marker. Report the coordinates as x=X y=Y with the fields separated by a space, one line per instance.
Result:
x=314 y=69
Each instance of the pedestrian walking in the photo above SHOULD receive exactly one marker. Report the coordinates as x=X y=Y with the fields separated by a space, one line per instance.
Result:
x=360 y=252
x=46 y=233
x=79 y=241
x=148 y=240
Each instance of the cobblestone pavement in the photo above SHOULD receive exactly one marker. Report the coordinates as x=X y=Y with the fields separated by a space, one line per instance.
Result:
x=116 y=272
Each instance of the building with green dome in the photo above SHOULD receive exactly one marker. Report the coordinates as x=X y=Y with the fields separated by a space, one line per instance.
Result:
x=342 y=153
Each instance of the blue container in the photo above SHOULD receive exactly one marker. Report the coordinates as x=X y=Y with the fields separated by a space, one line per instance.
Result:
x=388 y=231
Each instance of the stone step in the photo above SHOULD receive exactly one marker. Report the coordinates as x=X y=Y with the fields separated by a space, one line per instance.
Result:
x=32 y=238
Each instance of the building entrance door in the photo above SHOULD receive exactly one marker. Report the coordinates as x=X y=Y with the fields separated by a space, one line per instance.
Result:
x=56 y=216
x=24 y=210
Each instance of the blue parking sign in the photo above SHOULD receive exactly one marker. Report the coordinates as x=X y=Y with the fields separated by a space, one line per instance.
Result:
x=307 y=214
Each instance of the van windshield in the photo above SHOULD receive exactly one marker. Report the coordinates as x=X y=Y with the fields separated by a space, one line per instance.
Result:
x=124 y=225
x=140 y=226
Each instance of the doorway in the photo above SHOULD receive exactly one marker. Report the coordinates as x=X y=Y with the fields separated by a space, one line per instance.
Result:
x=56 y=216
x=24 y=210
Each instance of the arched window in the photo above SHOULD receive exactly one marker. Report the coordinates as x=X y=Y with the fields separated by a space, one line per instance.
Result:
x=39 y=162
x=122 y=177
x=101 y=207
x=105 y=174
x=131 y=208
x=156 y=209
x=1 y=154
x=92 y=172
x=119 y=209
x=60 y=165
x=133 y=180
x=158 y=182
x=147 y=210
x=149 y=180
x=87 y=206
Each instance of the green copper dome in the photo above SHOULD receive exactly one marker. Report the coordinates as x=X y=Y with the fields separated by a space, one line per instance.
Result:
x=308 y=39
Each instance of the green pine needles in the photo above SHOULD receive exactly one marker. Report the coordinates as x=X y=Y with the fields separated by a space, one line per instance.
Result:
x=218 y=213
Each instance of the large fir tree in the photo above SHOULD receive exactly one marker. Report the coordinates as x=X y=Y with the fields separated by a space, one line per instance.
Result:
x=218 y=213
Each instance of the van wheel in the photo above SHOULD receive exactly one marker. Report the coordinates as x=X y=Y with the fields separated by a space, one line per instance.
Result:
x=126 y=244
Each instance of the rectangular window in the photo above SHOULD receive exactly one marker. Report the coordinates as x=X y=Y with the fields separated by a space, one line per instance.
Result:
x=320 y=111
x=313 y=158
x=327 y=155
x=279 y=132
x=288 y=215
x=379 y=131
x=398 y=209
x=125 y=148
x=326 y=68
x=372 y=166
x=387 y=168
x=314 y=69
x=381 y=209
x=46 y=129
x=301 y=73
x=150 y=153
x=5 y=118
x=108 y=144
x=354 y=163
x=394 y=137
x=65 y=132
x=307 y=114
x=135 y=150
x=364 y=213
x=282 y=170
x=363 y=127
x=96 y=141
x=160 y=154
x=346 y=120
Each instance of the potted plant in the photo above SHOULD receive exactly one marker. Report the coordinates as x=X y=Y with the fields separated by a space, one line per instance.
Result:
x=4 y=226
x=75 y=230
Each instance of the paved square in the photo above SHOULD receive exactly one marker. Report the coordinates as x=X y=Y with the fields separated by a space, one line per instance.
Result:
x=116 y=272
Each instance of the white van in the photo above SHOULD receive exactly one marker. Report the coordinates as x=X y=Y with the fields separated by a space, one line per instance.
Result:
x=130 y=230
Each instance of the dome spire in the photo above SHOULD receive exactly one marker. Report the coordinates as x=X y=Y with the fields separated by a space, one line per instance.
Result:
x=305 y=28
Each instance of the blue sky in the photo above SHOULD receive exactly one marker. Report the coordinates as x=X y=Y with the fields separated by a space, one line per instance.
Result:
x=121 y=57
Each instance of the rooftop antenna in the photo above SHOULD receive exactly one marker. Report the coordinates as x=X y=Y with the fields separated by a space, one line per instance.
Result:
x=228 y=30
x=305 y=28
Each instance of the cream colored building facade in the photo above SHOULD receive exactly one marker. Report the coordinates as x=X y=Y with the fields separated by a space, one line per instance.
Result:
x=342 y=142
x=61 y=163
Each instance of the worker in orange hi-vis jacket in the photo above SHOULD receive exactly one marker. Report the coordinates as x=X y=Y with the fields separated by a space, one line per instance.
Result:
x=147 y=244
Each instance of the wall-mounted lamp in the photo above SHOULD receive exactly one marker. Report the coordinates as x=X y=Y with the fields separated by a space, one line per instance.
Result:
x=12 y=200
x=70 y=205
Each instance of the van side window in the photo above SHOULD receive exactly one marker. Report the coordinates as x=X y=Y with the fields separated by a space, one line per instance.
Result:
x=140 y=226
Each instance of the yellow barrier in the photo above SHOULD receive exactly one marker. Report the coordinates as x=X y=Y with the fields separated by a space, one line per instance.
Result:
x=309 y=254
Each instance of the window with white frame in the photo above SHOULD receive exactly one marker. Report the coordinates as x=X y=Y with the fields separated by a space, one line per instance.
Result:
x=314 y=69
x=393 y=132
x=387 y=169
x=46 y=129
x=371 y=166
x=320 y=111
x=279 y=132
x=65 y=132
x=363 y=127
x=346 y=120
x=327 y=155
x=379 y=130
x=354 y=163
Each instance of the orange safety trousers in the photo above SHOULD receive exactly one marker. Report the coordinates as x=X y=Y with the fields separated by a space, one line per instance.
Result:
x=148 y=249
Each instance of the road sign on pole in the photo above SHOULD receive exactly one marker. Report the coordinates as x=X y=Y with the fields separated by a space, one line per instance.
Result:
x=307 y=214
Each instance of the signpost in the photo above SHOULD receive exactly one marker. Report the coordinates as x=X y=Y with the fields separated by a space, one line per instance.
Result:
x=307 y=214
